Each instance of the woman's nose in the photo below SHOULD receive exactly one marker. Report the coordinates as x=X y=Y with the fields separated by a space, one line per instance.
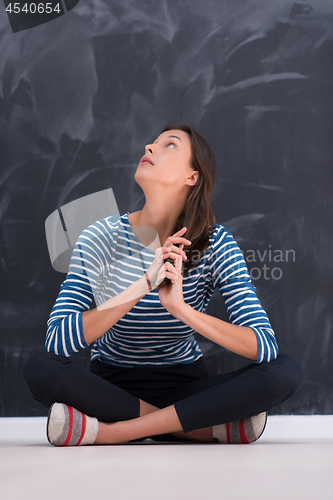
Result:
x=150 y=148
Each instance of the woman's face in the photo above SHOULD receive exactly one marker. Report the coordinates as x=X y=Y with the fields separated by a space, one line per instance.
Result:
x=167 y=161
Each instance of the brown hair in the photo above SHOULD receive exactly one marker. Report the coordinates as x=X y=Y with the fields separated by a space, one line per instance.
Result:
x=197 y=216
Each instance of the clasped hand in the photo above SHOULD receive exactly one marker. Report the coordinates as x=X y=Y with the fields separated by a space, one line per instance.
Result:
x=171 y=296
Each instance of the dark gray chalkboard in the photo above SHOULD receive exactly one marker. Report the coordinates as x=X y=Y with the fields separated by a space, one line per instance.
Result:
x=80 y=97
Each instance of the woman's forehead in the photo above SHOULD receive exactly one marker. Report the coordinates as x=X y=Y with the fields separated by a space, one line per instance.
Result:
x=175 y=134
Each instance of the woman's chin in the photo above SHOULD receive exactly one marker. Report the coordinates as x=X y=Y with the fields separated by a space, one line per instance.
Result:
x=142 y=174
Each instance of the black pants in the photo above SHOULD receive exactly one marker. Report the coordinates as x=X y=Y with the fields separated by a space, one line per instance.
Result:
x=113 y=393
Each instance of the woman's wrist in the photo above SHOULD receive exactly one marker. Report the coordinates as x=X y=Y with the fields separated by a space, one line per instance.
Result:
x=150 y=277
x=150 y=284
x=150 y=288
x=180 y=311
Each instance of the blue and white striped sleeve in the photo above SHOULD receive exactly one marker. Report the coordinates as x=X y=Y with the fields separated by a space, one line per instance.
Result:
x=231 y=276
x=64 y=334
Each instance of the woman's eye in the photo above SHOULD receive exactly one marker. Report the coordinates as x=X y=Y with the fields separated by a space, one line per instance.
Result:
x=171 y=144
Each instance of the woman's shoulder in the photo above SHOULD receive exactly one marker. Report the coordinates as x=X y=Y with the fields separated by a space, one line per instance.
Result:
x=109 y=222
x=219 y=234
x=116 y=221
x=221 y=243
x=106 y=229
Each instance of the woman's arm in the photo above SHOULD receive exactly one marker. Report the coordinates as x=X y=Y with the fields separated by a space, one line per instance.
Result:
x=249 y=332
x=238 y=339
x=231 y=276
x=64 y=335
x=72 y=325
x=99 y=320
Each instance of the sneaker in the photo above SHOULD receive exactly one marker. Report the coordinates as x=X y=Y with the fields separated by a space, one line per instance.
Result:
x=67 y=426
x=246 y=430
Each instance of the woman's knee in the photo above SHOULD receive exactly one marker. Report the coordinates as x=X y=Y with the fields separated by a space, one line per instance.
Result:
x=43 y=372
x=288 y=373
x=38 y=366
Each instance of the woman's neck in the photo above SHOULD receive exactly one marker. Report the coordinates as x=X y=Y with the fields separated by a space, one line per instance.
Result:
x=162 y=220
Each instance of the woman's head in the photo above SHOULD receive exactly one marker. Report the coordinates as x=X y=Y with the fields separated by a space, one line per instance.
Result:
x=183 y=164
x=166 y=168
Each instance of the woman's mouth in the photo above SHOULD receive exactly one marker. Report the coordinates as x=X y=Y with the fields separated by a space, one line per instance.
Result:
x=146 y=159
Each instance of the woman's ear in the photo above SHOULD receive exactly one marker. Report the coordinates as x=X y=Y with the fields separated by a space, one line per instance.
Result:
x=192 y=179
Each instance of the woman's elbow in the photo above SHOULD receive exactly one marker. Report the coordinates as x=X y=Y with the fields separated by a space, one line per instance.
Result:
x=51 y=342
x=273 y=352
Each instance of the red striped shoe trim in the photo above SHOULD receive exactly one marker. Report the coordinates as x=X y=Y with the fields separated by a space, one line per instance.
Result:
x=242 y=433
x=227 y=425
x=83 y=428
x=70 y=427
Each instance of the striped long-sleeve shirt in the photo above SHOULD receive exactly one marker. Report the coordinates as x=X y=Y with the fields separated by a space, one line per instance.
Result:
x=108 y=257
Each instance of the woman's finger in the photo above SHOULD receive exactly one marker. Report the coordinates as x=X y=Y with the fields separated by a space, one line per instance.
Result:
x=173 y=270
x=160 y=276
x=179 y=260
x=178 y=249
x=174 y=255
x=177 y=239
x=165 y=251
x=181 y=231
x=162 y=253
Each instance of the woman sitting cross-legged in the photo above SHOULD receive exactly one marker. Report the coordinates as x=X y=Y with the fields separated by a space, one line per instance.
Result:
x=147 y=376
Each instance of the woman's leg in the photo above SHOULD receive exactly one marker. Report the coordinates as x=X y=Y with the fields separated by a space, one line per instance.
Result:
x=257 y=388
x=215 y=400
x=163 y=421
x=196 y=405
x=53 y=378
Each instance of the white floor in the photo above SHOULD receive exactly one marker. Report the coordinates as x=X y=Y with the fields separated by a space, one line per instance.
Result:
x=292 y=460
